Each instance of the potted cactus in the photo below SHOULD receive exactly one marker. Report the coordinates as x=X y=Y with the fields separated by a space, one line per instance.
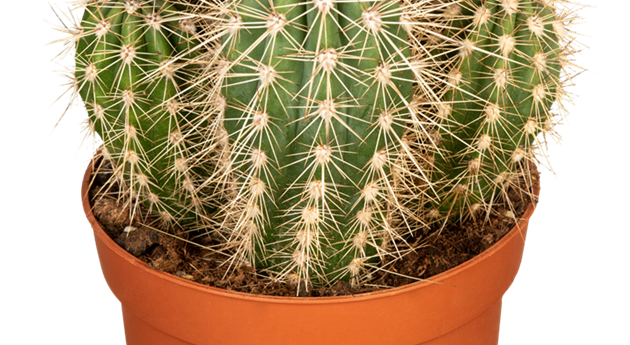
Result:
x=315 y=139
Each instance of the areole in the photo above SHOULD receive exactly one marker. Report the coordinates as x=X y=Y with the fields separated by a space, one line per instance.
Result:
x=461 y=306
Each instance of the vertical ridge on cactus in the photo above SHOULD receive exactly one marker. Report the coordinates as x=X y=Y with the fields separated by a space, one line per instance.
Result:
x=315 y=138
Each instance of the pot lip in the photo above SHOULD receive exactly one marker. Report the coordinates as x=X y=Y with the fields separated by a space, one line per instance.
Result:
x=436 y=279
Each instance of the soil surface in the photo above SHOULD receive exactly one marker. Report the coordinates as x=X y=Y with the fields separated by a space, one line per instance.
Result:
x=453 y=246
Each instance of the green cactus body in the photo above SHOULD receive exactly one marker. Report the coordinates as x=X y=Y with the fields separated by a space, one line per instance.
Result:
x=498 y=100
x=314 y=137
x=131 y=58
x=318 y=97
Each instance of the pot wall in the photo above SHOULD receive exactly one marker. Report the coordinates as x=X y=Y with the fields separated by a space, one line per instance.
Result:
x=461 y=306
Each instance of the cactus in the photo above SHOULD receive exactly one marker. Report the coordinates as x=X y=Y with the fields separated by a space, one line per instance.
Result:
x=504 y=80
x=316 y=105
x=315 y=138
x=132 y=67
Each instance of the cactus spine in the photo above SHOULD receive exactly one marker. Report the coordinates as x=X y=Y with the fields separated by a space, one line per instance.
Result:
x=315 y=137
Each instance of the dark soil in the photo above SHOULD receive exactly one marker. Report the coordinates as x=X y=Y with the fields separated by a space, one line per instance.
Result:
x=453 y=246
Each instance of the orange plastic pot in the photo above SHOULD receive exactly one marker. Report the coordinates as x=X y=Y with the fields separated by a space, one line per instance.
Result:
x=461 y=306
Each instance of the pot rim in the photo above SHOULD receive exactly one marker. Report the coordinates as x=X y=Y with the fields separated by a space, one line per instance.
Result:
x=436 y=279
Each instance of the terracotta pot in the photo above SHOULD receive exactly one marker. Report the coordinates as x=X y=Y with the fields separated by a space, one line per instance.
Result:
x=461 y=306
